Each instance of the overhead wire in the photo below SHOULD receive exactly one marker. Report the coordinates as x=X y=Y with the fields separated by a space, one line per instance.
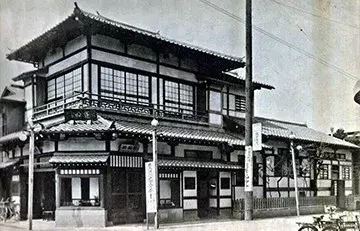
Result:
x=274 y=37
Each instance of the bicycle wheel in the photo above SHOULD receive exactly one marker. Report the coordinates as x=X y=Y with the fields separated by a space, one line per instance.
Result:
x=308 y=228
x=2 y=214
x=330 y=228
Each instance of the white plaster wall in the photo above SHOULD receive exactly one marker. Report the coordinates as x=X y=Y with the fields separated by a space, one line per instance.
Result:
x=240 y=193
x=323 y=183
x=28 y=97
x=86 y=77
x=180 y=150
x=190 y=204
x=53 y=55
x=234 y=155
x=75 y=44
x=81 y=56
x=215 y=101
x=213 y=203
x=348 y=183
x=17 y=151
x=225 y=202
x=81 y=144
x=94 y=79
x=123 y=61
x=142 y=51
x=323 y=193
x=107 y=42
x=189 y=192
x=188 y=76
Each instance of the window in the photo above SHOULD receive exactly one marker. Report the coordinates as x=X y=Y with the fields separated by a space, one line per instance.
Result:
x=189 y=182
x=195 y=154
x=78 y=191
x=225 y=182
x=65 y=85
x=281 y=167
x=233 y=103
x=346 y=172
x=240 y=177
x=324 y=172
x=179 y=97
x=240 y=103
x=169 y=188
x=126 y=86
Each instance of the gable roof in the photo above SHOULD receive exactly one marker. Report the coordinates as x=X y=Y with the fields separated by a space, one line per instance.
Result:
x=74 y=25
x=301 y=132
x=13 y=93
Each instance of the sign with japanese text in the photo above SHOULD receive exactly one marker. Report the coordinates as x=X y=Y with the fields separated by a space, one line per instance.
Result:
x=150 y=187
x=248 y=169
x=257 y=137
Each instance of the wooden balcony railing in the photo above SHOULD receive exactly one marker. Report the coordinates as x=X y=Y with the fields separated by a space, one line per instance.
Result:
x=87 y=100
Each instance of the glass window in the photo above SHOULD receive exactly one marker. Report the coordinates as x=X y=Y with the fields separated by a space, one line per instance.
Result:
x=179 y=97
x=127 y=86
x=78 y=191
x=324 y=172
x=169 y=193
x=64 y=85
x=189 y=182
x=346 y=172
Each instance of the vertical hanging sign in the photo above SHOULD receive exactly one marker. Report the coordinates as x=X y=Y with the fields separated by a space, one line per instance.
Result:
x=150 y=187
x=248 y=169
x=257 y=137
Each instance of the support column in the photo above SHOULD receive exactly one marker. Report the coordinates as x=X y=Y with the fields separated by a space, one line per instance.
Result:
x=57 y=188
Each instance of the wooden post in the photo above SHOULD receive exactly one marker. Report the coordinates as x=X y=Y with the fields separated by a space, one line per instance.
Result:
x=57 y=188
x=248 y=118
x=155 y=159
x=295 y=176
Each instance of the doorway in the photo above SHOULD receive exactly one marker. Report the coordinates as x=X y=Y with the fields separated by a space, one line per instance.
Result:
x=203 y=193
x=127 y=204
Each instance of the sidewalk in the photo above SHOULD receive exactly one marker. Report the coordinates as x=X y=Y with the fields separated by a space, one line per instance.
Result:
x=280 y=224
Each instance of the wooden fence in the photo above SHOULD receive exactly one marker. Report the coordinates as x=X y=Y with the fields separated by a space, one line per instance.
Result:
x=285 y=202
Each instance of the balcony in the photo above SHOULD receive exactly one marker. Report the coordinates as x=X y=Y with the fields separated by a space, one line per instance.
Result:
x=115 y=105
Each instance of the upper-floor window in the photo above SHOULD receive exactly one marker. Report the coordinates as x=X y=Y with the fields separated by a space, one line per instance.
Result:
x=324 y=172
x=65 y=85
x=179 y=97
x=126 y=86
x=346 y=172
x=233 y=103
x=197 y=154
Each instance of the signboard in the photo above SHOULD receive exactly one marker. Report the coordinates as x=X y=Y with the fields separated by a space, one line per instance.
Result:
x=248 y=169
x=80 y=114
x=150 y=187
x=257 y=137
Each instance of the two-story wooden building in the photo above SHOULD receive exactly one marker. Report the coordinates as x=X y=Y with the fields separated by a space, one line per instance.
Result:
x=97 y=86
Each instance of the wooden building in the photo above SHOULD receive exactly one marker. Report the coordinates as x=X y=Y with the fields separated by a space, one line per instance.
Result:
x=97 y=86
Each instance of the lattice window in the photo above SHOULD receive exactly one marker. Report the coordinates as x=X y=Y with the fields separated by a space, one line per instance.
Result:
x=346 y=172
x=64 y=85
x=240 y=103
x=179 y=97
x=324 y=172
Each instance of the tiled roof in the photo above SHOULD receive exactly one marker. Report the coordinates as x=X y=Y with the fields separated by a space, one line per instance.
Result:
x=79 y=158
x=81 y=126
x=285 y=129
x=124 y=126
x=13 y=93
x=179 y=163
x=8 y=163
x=71 y=23
x=234 y=76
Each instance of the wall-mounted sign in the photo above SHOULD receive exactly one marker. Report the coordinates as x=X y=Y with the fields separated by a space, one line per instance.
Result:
x=129 y=148
x=80 y=114
x=257 y=137
x=150 y=187
x=248 y=169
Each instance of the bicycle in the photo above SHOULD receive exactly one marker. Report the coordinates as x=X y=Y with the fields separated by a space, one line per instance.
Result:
x=8 y=210
x=318 y=224
x=340 y=225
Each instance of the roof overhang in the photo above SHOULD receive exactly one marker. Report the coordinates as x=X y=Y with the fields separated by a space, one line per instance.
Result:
x=197 y=164
x=79 y=158
x=81 y=22
x=39 y=72
x=9 y=163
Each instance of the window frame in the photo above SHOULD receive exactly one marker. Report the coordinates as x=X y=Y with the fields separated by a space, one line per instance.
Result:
x=324 y=172
x=346 y=172
x=62 y=75
x=88 y=176
x=169 y=176
x=179 y=104
x=123 y=94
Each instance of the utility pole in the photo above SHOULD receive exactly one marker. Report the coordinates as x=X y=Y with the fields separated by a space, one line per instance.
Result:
x=248 y=117
x=295 y=174
x=31 y=176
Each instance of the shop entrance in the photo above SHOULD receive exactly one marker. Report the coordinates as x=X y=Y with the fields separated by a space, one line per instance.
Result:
x=203 y=193
x=44 y=193
x=127 y=203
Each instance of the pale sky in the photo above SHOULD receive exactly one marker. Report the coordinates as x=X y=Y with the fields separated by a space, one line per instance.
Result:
x=309 y=50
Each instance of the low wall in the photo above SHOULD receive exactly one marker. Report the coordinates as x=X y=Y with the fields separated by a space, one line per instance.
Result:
x=80 y=217
x=171 y=215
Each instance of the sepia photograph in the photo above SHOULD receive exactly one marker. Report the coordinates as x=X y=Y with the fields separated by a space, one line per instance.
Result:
x=180 y=115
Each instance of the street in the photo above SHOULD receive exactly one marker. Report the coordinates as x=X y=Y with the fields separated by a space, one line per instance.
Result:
x=279 y=224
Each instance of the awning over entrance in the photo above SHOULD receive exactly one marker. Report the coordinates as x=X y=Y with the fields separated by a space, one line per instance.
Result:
x=197 y=164
x=8 y=163
x=62 y=158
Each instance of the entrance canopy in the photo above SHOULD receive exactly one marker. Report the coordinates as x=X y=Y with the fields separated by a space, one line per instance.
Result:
x=79 y=159
x=9 y=163
x=197 y=164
